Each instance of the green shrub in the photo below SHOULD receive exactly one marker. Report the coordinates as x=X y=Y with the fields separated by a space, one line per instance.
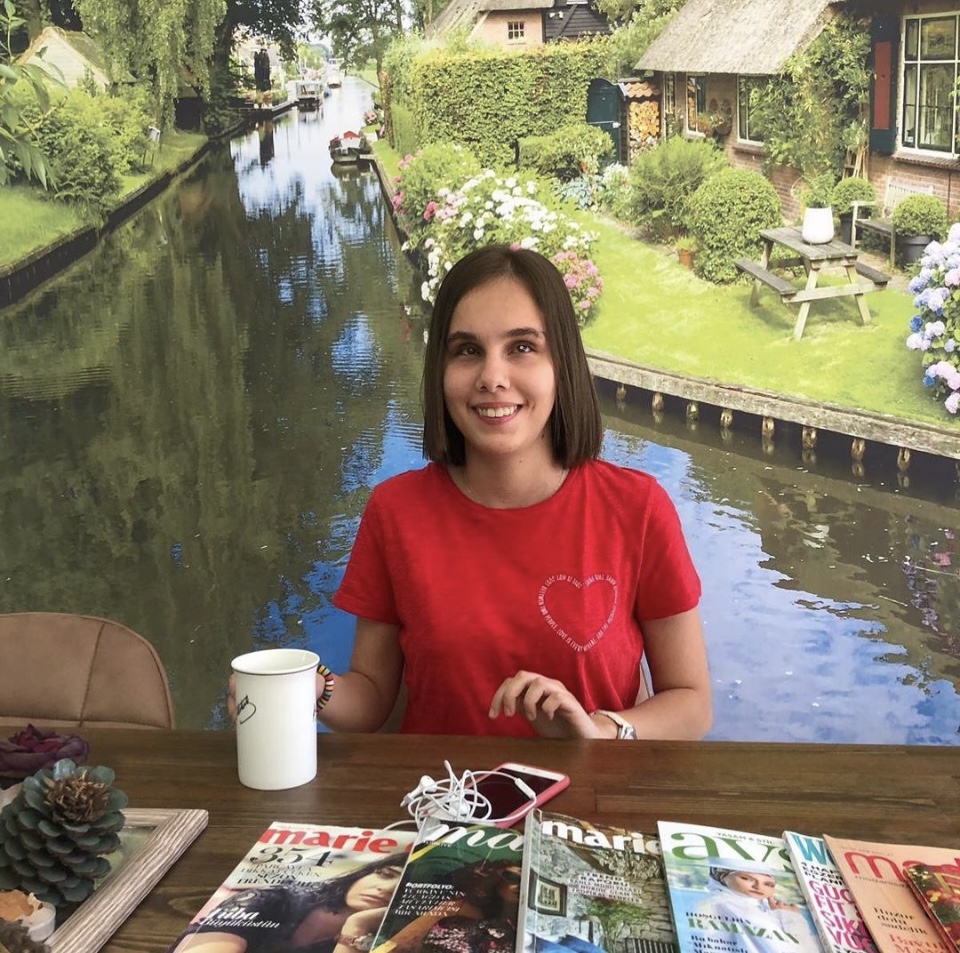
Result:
x=850 y=190
x=726 y=215
x=80 y=158
x=662 y=180
x=127 y=118
x=567 y=153
x=403 y=130
x=435 y=167
x=920 y=215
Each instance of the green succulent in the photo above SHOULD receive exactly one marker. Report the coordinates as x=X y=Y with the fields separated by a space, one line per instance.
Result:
x=54 y=833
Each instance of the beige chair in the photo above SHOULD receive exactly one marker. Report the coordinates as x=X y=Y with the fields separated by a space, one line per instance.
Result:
x=76 y=671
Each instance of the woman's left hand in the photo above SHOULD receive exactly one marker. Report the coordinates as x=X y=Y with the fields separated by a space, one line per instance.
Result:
x=551 y=709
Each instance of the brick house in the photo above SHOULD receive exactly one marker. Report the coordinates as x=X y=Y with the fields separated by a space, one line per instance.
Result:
x=712 y=51
x=520 y=24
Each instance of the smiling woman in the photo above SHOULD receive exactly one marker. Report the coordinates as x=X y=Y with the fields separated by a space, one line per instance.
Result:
x=518 y=582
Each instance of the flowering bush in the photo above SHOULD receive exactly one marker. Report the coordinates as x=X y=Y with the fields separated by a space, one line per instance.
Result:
x=935 y=329
x=488 y=209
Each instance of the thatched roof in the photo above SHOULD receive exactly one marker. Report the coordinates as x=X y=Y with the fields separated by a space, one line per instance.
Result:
x=465 y=13
x=747 y=37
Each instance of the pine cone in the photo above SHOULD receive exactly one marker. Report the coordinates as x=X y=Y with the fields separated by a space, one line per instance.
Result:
x=55 y=831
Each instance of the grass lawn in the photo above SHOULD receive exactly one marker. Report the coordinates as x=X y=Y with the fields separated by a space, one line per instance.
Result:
x=659 y=314
x=32 y=218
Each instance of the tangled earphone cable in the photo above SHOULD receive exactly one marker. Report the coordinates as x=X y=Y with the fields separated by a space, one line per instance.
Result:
x=457 y=798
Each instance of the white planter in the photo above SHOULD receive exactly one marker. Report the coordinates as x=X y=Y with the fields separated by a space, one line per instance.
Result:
x=817 y=226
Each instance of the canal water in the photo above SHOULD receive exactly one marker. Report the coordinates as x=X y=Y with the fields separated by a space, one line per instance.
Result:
x=191 y=419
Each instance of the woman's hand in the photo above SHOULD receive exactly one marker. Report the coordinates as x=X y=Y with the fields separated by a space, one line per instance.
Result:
x=547 y=704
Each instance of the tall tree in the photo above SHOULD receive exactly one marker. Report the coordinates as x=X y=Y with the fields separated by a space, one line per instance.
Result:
x=159 y=38
x=277 y=20
x=359 y=30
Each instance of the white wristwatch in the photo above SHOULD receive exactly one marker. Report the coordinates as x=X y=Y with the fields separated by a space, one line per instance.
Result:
x=625 y=731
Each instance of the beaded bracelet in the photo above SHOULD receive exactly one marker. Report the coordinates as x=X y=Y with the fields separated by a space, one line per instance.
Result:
x=328 y=680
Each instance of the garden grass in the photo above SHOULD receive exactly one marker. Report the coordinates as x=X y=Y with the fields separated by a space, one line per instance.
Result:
x=657 y=313
x=33 y=218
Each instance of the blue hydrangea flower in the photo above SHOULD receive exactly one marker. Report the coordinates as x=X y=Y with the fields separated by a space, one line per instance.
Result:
x=916 y=322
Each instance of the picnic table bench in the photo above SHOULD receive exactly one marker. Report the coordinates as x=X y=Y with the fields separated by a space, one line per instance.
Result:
x=882 y=224
x=861 y=278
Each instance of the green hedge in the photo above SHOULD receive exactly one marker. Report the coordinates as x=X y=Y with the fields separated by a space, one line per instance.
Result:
x=490 y=100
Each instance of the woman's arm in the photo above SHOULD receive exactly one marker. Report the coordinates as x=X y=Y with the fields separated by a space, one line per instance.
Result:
x=364 y=696
x=681 y=707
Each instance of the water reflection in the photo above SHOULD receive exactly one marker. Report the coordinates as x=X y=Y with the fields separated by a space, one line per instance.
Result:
x=191 y=419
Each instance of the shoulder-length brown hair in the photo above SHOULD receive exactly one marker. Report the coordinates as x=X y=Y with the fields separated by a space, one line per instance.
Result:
x=576 y=429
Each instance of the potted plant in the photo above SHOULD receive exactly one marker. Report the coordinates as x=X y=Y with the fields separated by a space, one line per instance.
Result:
x=817 y=226
x=686 y=246
x=847 y=191
x=917 y=221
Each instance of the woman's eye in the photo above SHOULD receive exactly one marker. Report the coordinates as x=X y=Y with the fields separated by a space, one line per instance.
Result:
x=525 y=347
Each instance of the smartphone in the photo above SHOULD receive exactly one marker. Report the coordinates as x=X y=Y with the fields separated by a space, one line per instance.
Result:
x=509 y=801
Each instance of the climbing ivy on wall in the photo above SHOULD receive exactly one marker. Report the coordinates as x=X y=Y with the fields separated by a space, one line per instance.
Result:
x=488 y=100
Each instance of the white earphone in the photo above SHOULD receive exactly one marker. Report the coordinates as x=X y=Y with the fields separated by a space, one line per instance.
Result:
x=457 y=798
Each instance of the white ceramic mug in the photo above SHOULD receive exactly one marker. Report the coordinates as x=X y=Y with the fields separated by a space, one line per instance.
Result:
x=276 y=692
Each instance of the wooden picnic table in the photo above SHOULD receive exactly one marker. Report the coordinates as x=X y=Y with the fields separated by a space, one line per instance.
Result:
x=861 y=278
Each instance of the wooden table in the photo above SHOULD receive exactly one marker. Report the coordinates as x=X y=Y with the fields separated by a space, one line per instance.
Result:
x=861 y=278
x=883 y=793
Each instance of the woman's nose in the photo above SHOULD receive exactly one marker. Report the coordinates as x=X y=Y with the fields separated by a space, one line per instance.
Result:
x=493 y=374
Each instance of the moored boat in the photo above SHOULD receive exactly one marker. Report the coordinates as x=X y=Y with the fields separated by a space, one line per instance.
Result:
x=349 y=147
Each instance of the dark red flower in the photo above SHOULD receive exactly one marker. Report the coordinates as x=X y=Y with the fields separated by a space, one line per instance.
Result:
x=30 y=750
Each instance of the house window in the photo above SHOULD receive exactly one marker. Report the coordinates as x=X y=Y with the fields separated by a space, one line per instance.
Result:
x=930 y=59
x=696 y=103
x=515 y=29
x=745 y=129
x=669 y=104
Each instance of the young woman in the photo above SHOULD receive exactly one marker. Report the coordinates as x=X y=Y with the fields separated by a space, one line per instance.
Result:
x=515 y=583
x=341 y=915
x=743 y=893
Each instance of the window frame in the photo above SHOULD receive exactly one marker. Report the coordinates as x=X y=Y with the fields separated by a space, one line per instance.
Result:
x=700 y=103
x=516 y=30
x=918 y=67
x=745 y=87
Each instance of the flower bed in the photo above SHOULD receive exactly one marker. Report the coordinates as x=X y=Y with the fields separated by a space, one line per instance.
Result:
x=489 y=208
x=935 y=329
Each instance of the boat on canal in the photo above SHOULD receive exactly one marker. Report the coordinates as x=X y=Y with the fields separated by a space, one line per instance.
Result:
x=309 y=93
x=349 y=148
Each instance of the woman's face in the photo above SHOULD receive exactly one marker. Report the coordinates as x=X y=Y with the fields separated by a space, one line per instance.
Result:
x=508 y=888
x=374 y=890
x=758 y=886
x=499 y=384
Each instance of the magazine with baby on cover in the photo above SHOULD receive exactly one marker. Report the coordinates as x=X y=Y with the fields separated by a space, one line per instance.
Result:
x=734 y=892
x=591 y=888
x=460 y=892
x=303 y=886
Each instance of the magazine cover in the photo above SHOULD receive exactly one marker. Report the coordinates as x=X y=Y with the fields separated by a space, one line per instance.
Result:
x=460 y=891
x=874 y=874
x=829 y=900
x=938 y=890
x=302 y=886
x=589 y=888
x=734 y=892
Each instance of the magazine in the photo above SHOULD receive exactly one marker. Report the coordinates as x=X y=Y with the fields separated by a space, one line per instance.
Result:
x=460 y=890
x=589 y=888
x=938 y=890
x=829 y=900
x=734 y=892
x=893 y=915
x=304 y=884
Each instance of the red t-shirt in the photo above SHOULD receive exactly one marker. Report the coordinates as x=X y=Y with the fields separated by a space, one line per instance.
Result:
x=556 y=588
